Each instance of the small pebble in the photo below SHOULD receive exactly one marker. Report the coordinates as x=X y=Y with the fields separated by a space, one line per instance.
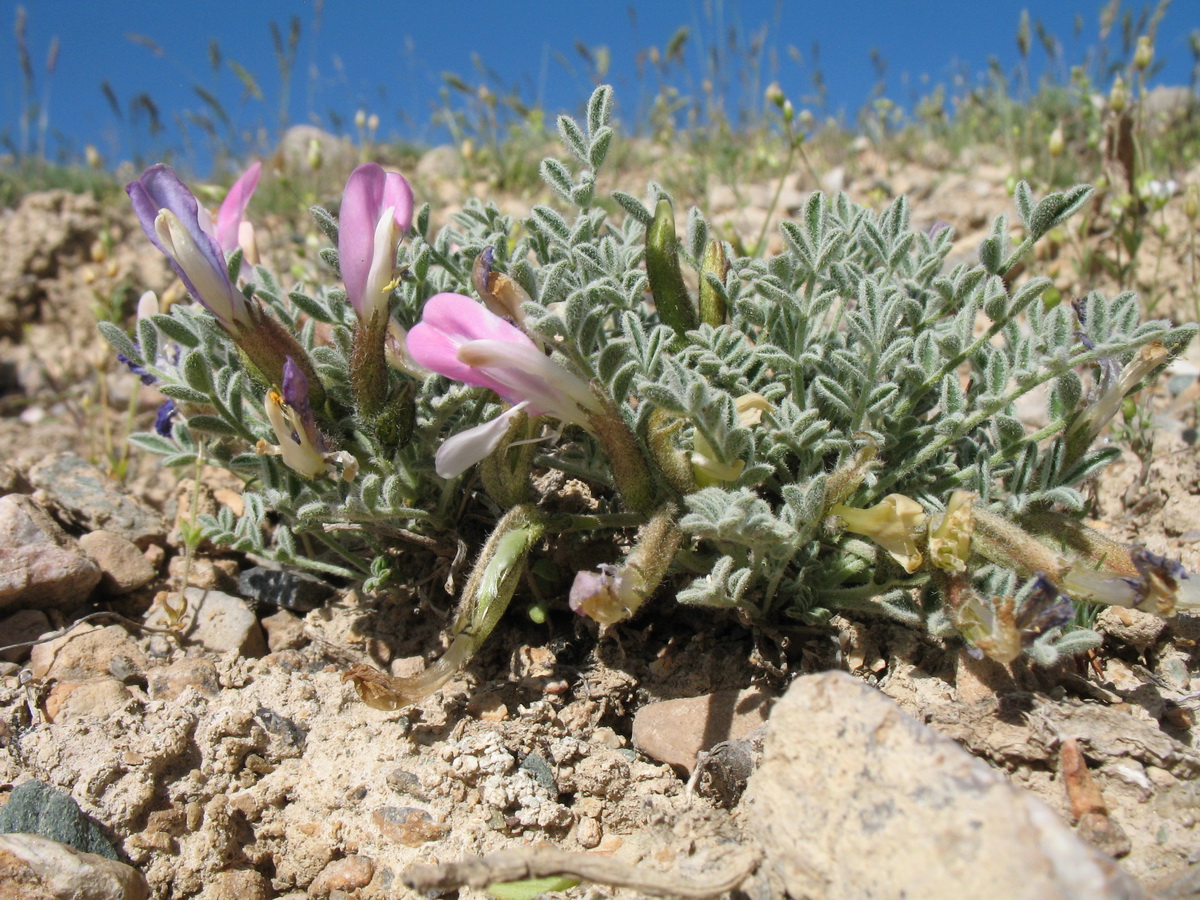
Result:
x=40 y=564
x=407 y=825
x=346 y=874
x=674 y=731
x=86 y=651
x=238 y=884
x=94 y=698
x=123 y=567
x=285 y=631
x=1132 y=626
x=216 y=621
x=286 y=590
x=37 y=868
x=168 y=682
x=95 y=502
x=588 y=833
x=537 y=766
x=402 y=781
x=35 y=808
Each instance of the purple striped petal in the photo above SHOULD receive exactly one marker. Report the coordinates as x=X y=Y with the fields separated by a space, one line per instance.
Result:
x=160 y=188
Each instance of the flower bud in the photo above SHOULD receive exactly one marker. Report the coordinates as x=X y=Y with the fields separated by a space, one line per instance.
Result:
x=291 y=418
x=671 y=297
x=1118 y=97
x=1191 y=202
x=706 y=470
x=500 y=294
x=1144 y=55
x=147 y=305
x=774 y=95
x=248 y=241
x=712 y=304
x=1057 y=142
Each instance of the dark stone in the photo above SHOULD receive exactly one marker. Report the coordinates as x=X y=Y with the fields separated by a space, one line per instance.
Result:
x=287 y=590
x=536 y=766
x=727 y=767
x=36 y=808
x=90 y=500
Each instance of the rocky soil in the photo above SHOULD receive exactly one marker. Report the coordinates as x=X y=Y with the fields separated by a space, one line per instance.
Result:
x=227 y=760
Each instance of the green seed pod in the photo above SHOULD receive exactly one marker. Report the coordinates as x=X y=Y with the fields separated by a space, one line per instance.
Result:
x=662 y=266
x=713 y=308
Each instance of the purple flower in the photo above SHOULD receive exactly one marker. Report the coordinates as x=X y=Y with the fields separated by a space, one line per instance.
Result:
x=458 y=338
x=607 y=595
x=172 y=219
x=376 y=212
x=164 y=418
x=138 y=370
x=291 y=419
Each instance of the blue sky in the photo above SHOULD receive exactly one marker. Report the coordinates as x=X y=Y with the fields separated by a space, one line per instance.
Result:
x=389 y=57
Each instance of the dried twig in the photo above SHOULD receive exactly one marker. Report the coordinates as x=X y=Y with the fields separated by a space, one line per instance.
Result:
x=544 y=862
x=55 y=635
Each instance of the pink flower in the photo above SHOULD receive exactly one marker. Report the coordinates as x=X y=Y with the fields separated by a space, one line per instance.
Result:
x=376 y=212
x=460 y=339
x=229 y=225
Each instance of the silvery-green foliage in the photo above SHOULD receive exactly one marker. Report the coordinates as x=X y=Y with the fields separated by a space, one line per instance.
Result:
x=861 y=337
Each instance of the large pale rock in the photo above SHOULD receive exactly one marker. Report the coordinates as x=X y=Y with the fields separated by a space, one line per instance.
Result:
x=856 y=799
x=296 y=148
x=93 y=698
x=37 y=868
x=123 y=566
x=87 y=651
x=40 y=564
x=94 y=502
x=217 y=621
x=674 y=731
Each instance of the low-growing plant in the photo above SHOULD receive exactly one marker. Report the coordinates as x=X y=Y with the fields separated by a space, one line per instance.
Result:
x=830 y=428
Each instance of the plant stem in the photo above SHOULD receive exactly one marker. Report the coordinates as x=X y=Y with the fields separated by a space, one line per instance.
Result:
x=787 y=168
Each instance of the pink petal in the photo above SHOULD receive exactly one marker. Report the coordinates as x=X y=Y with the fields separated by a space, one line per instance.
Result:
x=451 y=320
x=462 y=316
x=233 y=207
x=361 y=206
x=398 y=194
